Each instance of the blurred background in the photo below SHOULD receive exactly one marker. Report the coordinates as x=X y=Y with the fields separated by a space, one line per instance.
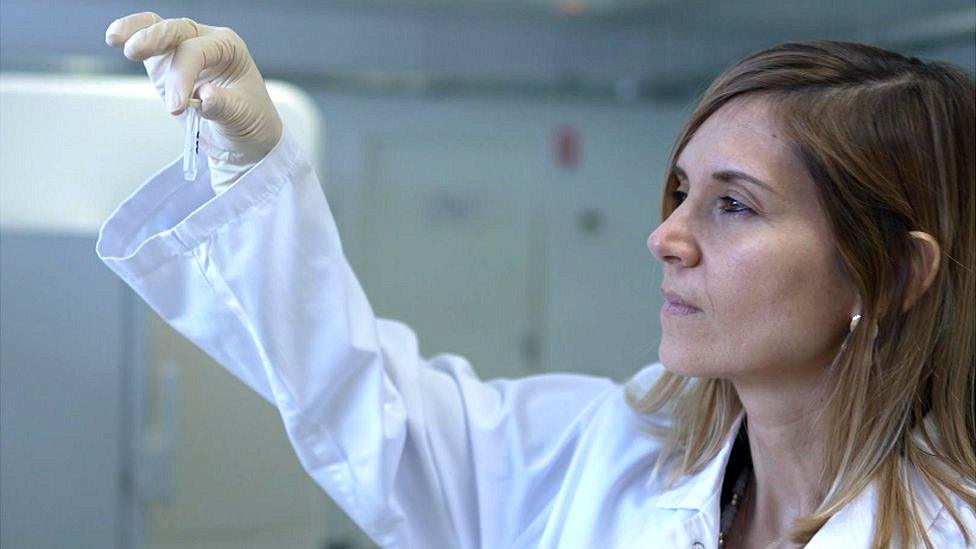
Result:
x=494 y=168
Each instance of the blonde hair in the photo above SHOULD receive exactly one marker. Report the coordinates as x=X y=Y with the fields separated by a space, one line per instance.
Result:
x=889 y=142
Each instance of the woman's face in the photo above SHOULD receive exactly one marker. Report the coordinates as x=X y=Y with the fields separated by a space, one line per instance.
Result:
x=754 y=260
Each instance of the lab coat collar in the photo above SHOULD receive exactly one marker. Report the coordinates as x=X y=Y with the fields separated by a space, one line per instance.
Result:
x=854 y=519
x=857 y=517
x=697 y=490
x=702 y=489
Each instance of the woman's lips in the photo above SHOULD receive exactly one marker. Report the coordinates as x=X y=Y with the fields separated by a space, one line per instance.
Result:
x=676 y=305
x=677 y=309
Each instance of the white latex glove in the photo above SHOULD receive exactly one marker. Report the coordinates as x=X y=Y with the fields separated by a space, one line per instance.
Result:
x=186 y=59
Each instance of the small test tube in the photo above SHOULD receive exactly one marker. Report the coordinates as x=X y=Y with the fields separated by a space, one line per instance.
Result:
x=191 y=140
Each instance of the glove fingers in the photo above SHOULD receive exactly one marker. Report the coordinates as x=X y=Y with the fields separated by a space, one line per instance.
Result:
x=216 y=51
x=120 y=30
x=160 y=38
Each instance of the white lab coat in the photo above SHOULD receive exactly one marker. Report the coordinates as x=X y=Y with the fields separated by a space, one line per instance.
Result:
x=418 y=451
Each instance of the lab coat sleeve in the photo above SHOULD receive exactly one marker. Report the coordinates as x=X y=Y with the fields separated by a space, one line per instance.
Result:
x=419 y=452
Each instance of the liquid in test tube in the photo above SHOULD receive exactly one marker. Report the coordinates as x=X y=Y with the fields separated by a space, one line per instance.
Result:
x=191 y=140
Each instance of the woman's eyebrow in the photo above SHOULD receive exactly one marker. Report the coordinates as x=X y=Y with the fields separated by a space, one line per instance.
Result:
x=728 y=175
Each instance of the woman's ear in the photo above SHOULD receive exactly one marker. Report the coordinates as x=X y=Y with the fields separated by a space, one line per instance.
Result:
x=926 y=256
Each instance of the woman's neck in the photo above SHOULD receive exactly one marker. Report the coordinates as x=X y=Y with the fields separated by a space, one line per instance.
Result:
x=786 y=433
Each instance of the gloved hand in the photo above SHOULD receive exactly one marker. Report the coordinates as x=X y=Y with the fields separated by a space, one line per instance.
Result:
x=184 y=58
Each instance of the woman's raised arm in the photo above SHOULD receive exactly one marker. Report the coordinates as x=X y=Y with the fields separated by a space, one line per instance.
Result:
x=419 y=452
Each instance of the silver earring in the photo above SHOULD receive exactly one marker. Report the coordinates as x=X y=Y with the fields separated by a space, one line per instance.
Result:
x=854 y=320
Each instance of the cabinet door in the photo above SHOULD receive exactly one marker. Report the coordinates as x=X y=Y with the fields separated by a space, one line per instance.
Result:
x=450 y=244
x=236 y=480
x=65 y=357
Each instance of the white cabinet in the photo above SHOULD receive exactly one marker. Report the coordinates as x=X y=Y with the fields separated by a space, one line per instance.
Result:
x=87 y=456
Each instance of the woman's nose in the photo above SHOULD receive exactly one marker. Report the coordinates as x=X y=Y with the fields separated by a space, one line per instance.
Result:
x=672 y=242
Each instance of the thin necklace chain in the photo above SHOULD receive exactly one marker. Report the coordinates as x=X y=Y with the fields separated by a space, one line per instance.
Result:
x=730 y=509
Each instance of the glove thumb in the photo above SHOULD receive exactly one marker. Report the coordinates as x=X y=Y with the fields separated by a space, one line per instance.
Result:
x=235 y=132
x=224 y=106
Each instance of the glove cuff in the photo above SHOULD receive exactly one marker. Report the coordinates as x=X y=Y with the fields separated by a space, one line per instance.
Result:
x=223 y=174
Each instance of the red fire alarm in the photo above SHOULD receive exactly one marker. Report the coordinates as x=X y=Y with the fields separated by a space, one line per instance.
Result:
x=567 y=147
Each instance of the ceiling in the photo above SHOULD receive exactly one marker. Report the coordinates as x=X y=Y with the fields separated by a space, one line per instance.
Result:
x=615 y=49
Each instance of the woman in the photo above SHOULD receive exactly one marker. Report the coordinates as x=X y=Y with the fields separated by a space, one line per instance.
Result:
x=816 y=385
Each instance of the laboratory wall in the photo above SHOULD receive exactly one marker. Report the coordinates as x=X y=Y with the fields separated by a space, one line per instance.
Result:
x=494 y=170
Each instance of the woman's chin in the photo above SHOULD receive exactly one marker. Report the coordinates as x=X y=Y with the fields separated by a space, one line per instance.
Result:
x=683 y=363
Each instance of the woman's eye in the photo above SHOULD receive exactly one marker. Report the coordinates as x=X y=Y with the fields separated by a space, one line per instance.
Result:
x=677 y=197
x=729 y=205
x=733 y=206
